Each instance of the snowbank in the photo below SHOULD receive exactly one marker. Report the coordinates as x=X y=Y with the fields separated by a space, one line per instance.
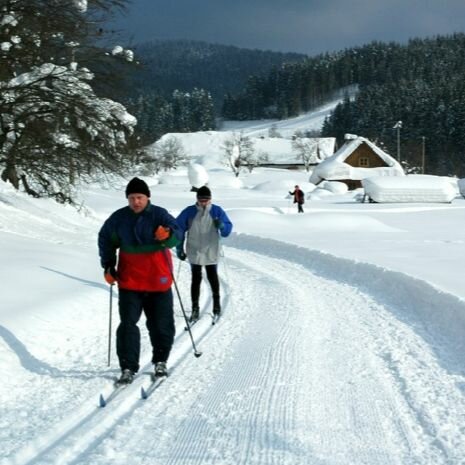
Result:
x=412 y=188
x=335 y=187
x=443 y=314
x=283 y=187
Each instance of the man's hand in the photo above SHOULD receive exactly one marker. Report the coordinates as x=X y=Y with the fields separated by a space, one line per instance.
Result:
x=218 y=223
x=162 y=233
x=110 y=275
x=180 y=254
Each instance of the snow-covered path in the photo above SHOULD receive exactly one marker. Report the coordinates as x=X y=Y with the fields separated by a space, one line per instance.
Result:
x=302 y=369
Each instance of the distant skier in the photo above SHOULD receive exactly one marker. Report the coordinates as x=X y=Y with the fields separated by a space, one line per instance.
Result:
x=203 y=224
x=143 y=233
x=299 y=198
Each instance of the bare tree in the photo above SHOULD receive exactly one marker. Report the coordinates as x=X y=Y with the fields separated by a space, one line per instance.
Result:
x=307 y=149
x=237 y=149
x=166 y=154
x=273 y=132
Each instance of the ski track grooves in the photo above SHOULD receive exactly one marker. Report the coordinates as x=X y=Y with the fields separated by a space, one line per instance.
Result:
x=247 y=439
x=85 y=429
x=327 y=369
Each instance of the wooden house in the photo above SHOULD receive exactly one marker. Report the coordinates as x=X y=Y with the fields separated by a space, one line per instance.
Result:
x=357 y=159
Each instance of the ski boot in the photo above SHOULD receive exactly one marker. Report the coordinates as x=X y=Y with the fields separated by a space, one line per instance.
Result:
x=160 y=369
x=127 y=377
x=195 y=314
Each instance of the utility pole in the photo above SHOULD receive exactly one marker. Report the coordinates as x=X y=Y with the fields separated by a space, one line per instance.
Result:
x=398 y=126
x=423 y=154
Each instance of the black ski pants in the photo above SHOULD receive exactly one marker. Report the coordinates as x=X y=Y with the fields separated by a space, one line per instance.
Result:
x=158 y=309
x=212 y=276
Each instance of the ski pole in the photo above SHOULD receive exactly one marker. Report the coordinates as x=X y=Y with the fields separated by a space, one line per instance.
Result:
x=179 y=270
x=196 y=352
x=226 y=272
x=223 y=256
x=109 y=324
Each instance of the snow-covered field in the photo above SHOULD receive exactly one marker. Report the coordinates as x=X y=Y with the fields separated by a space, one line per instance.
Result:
x=342 y=341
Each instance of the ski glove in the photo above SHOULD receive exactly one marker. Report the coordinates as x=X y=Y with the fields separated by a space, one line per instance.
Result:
x=162 y=233
x=218 y=223
x=110 y=275
x=180 y=254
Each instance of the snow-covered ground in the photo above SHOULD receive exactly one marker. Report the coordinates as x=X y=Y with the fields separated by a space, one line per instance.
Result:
x=312 y=121
x=342 y=341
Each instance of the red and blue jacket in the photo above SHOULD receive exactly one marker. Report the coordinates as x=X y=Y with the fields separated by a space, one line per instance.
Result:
x=144 y=263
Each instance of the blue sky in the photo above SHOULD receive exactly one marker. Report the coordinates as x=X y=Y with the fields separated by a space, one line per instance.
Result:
x=305 y=26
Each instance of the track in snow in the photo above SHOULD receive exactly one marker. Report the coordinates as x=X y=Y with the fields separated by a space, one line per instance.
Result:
x=301 y=369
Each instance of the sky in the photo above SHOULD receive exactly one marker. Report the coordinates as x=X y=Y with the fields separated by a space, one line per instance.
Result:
x=341 y=340
x=303 y=26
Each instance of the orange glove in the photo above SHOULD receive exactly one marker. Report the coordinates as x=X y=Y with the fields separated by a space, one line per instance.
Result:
x=162 y=233
x=110 y=275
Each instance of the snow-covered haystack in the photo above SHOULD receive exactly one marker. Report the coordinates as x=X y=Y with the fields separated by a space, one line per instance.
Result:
x=197 y=175
x=406 y=189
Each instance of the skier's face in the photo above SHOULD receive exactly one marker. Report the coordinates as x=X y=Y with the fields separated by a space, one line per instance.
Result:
x=203 y=202
x=137 y=202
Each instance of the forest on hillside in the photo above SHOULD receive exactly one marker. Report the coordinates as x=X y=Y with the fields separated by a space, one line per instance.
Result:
x=180 y=85
x=75 y=107
x=420 y=84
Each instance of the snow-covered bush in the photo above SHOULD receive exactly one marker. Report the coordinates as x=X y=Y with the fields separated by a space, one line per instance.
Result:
x=336 y=187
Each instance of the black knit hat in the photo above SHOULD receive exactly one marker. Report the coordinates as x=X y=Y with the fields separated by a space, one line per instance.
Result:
x=137 y=186
x=204 y=193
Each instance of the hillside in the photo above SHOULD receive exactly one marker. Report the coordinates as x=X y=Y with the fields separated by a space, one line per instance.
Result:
x=184 y=65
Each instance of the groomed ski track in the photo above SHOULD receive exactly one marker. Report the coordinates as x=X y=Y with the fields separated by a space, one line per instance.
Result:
x=317 y=360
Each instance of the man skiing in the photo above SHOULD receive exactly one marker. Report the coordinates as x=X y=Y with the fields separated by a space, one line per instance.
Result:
x=299 y=198
x=203 y=224
x=143 y=233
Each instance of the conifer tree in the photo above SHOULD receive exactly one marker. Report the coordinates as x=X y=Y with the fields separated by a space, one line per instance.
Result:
x=54 y=128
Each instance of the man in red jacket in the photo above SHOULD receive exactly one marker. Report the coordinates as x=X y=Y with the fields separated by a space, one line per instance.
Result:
x=299 y=198
x=143 y=234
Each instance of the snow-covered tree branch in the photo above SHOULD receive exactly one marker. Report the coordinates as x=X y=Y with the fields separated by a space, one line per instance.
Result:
x=54 y=128
x=239 y=152
x=307 y=150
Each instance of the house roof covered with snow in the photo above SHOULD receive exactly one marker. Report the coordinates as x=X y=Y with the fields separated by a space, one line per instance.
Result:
x=338 y=167
x=207 y=147
x=280 y=150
